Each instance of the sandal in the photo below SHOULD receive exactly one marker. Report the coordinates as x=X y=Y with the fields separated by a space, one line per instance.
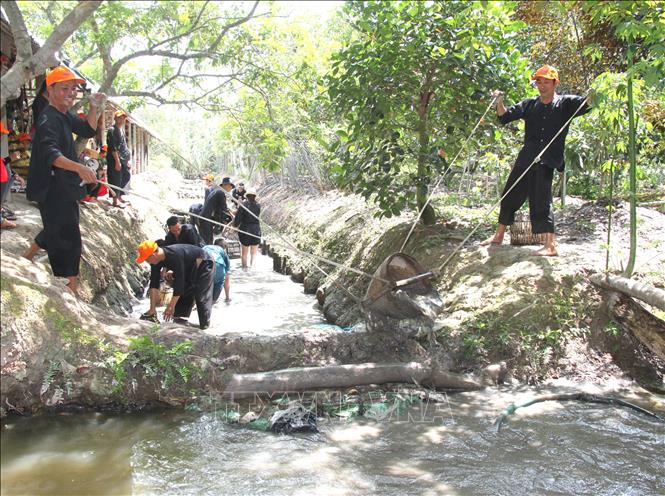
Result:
x=149 y=317
x=8 y=214
x=7 y=224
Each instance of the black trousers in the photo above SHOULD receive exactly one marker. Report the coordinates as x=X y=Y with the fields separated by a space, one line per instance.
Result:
x=201 y=292
x=61 y=235
x=117 y=178
x=206 y=231
x=536 y=186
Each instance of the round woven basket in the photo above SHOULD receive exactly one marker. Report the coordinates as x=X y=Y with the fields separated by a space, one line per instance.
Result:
x=520 y=231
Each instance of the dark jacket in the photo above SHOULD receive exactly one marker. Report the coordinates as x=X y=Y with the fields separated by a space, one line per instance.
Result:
x=541 y=123
x=188 y=236
x=53 y=139
x=181 y=259
x=215 y=207
x=244 y=218
x=116 y=140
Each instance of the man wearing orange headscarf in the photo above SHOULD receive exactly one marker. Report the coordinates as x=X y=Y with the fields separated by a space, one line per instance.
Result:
x=55 y=178
x=544 y=115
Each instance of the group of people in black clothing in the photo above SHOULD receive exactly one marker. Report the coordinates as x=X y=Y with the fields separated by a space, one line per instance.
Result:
x=197 y=268
x=245 y=218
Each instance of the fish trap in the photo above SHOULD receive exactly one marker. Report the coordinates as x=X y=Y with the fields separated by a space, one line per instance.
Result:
x=521 y=234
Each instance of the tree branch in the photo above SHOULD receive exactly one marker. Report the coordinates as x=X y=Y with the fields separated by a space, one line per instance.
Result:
x=195 y=26
x=85 y=58
x=210 y=52
x=104 y=50
x=11 y=82
x=19 y=31
x=231 y=25
x=260 y=92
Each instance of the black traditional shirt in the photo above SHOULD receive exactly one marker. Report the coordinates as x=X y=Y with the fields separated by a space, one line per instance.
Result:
x=53 y=139
x=188 y=236
x=215 y=207
x=541 y=123
x=181 y=259
x=116 y=140
x=244 y=218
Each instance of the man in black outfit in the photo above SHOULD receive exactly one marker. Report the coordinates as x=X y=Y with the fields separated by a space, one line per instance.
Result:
x=54 y=176
x=118 y=168
x=193 y=277
x=185 y=234
x=215 y=208
x=543 y=116
x=238 y=193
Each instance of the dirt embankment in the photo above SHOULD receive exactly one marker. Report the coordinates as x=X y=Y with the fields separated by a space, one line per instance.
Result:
x=60 y=352
x=539 y=315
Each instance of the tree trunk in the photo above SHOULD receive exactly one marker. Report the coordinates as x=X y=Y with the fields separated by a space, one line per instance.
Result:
x=633 y=168
x=428 y=215
x=23 y=70
x=338 y=376
x=649 y=329
x=642 y=291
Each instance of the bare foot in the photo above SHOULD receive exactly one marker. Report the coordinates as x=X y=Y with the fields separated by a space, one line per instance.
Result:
x=7 y=224
x=545 y=252
x=492 y=241
x=31 y=252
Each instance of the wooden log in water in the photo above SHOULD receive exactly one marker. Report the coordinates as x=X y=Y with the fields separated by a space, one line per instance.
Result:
x=339 y=376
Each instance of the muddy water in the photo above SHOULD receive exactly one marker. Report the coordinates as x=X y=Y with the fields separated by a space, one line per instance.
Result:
x=262 y=302
x=450 y=447
x=445 y=448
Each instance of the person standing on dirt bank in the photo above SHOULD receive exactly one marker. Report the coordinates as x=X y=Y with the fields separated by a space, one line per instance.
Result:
x=193 y=278
x=215 y=208
x=54 y=175
x=247 y=220
x=543 y=116
x=118 y=168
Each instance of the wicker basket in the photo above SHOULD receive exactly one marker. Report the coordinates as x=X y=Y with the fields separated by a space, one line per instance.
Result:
x=231 y=246
x=520 y=231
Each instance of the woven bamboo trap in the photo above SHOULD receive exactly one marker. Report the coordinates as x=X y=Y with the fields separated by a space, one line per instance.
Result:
x=520 y=231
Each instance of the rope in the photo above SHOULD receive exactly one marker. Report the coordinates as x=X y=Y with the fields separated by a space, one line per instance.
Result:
x=310 y=256
x=493 y=207
x=429 y=198
x=300 y=252
x=310 y=261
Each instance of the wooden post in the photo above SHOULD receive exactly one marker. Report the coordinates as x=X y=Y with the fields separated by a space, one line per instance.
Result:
x=139 y=154
x=147 y=152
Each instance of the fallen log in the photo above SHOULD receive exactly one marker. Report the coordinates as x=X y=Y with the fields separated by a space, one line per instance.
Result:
x=586 y=397
x=338 y=376
x=640 y=290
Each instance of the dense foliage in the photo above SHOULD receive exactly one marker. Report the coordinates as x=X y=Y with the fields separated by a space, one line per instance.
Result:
x=415 y=78
x=380 y=97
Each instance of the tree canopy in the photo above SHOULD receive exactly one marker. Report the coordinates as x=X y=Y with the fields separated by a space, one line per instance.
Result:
x=381 y=96
x=415 y=77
